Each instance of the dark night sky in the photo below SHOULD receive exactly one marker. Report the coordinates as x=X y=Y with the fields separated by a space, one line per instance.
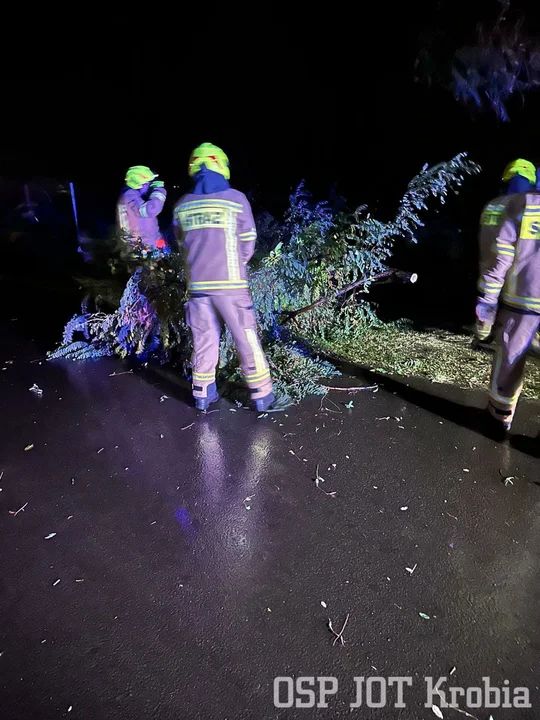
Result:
x=327 y=97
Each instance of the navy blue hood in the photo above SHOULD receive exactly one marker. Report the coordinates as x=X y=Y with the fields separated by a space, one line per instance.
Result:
x=207 y=182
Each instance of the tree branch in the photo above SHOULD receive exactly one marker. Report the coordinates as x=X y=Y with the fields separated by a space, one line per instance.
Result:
x=387 y=274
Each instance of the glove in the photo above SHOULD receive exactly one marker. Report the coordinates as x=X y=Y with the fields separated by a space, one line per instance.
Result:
x=485 y=317
x=155 y=184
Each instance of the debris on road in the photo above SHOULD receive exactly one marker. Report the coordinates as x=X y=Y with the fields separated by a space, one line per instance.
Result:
x=163 y=398
x=507 y=479
x=16 y=512
x=424 y=616
x=339 y=635
x=56 y=583
x=411 y=570
x=318 y=480
x=186 y=427
x=49 y=536
x=36 y=390
x=437 y=711
x=29 y=447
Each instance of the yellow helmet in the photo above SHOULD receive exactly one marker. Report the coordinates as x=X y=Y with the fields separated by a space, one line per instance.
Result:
x=520 y=167
x=212 y=157
x=139 y=175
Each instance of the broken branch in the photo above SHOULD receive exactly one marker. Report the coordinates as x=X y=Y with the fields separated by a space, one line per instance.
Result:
x=386 y=275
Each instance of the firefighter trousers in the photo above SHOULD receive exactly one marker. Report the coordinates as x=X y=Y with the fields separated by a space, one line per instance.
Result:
x=205 y=316
x=516 y=334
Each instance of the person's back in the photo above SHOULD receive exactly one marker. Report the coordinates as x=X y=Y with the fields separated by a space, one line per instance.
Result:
x=219 y=239
x=214 y=226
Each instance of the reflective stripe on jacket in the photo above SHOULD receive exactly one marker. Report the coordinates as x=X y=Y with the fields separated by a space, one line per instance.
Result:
x=217 y=233
x=137 y=218
x=512 y=273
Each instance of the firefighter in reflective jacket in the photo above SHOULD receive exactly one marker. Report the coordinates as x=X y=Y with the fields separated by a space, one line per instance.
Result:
x=214 y=225
x=519 y=177
x=138 y=208
x=510 y=283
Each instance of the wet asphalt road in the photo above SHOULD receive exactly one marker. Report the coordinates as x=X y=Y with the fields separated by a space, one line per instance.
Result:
x=192 y=554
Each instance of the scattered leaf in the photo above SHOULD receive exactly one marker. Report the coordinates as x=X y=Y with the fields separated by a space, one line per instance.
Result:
x=437 y=711
x=349 y=405
x=405 y=507
x=163 y=398
x=323 y=604
x=29 y=447
x=36 y=390
x=424 y=616
x=49 y=536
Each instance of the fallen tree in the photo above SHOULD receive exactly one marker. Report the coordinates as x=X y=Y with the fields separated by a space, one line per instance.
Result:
x=304 y=284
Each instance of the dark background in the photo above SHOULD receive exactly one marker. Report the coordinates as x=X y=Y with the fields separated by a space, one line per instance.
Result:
x=326 y=94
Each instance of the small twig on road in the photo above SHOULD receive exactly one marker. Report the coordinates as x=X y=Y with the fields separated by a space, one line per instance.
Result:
x=16 y=512
x=455 y=707
x=321 y=408
x=126 y=372
x=291 y=452
x=350 y=389
x=318 y=480
x=339 y=635
x=188 y=426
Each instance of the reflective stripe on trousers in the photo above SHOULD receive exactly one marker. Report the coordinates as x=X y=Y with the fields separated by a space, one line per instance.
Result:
x=515 y=337
x=205 y=314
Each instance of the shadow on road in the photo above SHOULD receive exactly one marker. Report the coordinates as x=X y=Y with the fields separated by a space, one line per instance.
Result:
x=467 y=416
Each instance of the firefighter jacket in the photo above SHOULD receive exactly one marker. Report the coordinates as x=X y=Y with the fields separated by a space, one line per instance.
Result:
x=511 y=276
x=137 y=218
x=217 y=233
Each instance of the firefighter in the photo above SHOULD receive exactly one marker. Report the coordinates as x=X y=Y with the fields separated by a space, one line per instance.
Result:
x=138 y=208
x=510 y=284
x=519 y=177
x=214 y=225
